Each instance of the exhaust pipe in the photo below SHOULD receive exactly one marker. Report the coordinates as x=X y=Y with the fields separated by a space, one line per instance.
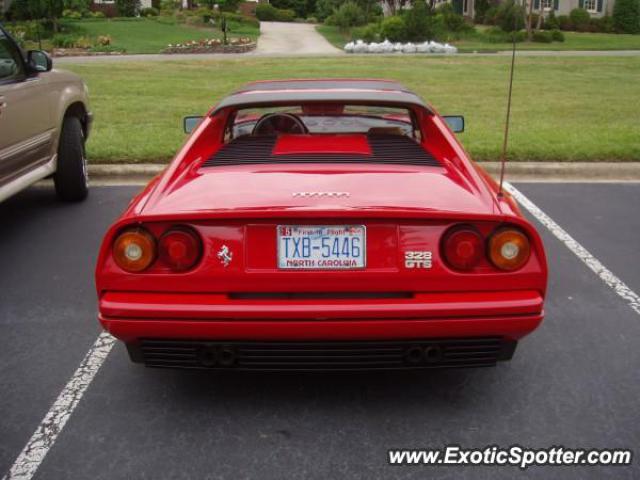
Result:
x=433 y=353
x=208 y=355
x=227 y=356
x=214 y=355
x=414 y=355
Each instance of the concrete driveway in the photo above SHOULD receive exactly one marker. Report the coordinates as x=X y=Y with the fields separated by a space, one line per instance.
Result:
x=292 y=39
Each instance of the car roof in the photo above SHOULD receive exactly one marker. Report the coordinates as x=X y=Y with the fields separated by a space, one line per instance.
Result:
x=341 y=90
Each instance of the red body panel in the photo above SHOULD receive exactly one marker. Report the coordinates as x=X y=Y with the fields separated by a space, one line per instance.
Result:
x=290 y=144
x=404 y=208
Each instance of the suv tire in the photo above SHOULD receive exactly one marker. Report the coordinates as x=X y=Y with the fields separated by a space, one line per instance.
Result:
x=71 y=179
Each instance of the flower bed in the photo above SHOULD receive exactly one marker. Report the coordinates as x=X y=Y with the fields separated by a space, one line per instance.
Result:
x=213 y=45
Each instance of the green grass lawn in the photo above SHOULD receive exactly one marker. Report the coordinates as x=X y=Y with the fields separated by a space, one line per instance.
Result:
x=569 y=108
x=151 y=35
x=476 y=41
x=334 y=35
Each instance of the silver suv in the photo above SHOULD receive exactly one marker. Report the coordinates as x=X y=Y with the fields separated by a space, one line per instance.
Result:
x=44 y=123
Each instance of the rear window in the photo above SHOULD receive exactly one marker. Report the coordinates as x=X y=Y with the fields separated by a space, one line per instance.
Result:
x=329 y=119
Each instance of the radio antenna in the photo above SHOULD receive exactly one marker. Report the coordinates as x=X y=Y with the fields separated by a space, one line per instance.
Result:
x=503 y=156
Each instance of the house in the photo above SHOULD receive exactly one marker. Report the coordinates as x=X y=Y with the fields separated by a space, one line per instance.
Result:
x=108 y=7
x=597 y=8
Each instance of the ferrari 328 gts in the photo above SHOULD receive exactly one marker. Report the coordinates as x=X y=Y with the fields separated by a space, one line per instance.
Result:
x=321 y=225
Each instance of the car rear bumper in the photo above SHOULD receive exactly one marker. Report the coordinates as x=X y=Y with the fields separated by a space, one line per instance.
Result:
x=190 y=321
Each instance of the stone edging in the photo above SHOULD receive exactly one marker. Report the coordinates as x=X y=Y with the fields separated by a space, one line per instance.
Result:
x=247 y=47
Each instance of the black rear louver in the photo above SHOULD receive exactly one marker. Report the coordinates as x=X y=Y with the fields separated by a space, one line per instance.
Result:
x=386 y=149
x=352 y=355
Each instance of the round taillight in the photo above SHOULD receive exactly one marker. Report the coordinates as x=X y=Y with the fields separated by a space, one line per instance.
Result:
x=134 y=250
x=463 y=248
x=509 y=249
x=180 y=249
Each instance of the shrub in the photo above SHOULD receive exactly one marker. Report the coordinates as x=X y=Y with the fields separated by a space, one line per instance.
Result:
x=564 y=22
x=348 y=15
x=83 y=42
x=626 y=16
x=312 y=20
x=97 y=15
x=481 y=7
x=149 y=12
x=454 y=22
x=61 y=40
x=325 y=8
x=71 y=14
x=285 y=16
x=298 y=6
x=557 y=36
x=103 y=40
x=237 y=18
x=510 y=16
x=127 y=8
x=497 y=35
x=490 y=16
x=193 y=20
x=603 y=24
x=29 y=30
x=268 y=13
x=580 y=19
x=542 y=37
x=168 y=6
x=418 y=23
x=393 y=29
x=551 y=22
x=369 y=33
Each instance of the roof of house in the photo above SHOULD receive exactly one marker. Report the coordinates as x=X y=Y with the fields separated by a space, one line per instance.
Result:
x=283 y=92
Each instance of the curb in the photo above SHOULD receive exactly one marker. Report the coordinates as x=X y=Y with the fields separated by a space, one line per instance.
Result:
x=515 y=171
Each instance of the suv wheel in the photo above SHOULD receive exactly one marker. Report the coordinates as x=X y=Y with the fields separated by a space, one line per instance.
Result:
x=71 y=179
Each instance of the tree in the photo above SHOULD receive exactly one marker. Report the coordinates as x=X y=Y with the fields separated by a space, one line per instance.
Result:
x=626 y=16
x=418 y=22
x=529 y=17
x=128 y=8
x=394 y=6
x=510 y=16
x=48 y=10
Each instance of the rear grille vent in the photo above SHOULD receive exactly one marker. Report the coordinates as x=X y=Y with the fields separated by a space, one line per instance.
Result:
x=364 y=355
x=387 y=149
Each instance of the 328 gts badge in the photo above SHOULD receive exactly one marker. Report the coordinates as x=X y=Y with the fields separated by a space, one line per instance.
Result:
x=415 y=259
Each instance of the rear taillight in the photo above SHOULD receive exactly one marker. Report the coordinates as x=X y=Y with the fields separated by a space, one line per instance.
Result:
x=180 y=249
x=509 y=249
x=134 y=250
x=463 y=248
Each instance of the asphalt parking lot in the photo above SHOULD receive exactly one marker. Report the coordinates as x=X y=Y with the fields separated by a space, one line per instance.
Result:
x=574 y=382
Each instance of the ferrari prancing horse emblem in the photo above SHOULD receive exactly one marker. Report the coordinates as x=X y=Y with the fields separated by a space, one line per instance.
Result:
x=225 y=255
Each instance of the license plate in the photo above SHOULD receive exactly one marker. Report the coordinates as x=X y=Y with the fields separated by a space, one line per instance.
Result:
x=334 y=247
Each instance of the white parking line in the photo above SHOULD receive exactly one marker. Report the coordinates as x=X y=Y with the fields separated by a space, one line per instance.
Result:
x=54 y=421
x=27 y=463
x=582 y=253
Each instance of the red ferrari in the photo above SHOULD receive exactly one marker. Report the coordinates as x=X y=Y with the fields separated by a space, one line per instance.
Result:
x=321 y=225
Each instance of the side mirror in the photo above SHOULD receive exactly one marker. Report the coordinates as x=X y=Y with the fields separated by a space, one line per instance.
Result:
x=39 y=61
x=455 y=122
x=190 y=123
